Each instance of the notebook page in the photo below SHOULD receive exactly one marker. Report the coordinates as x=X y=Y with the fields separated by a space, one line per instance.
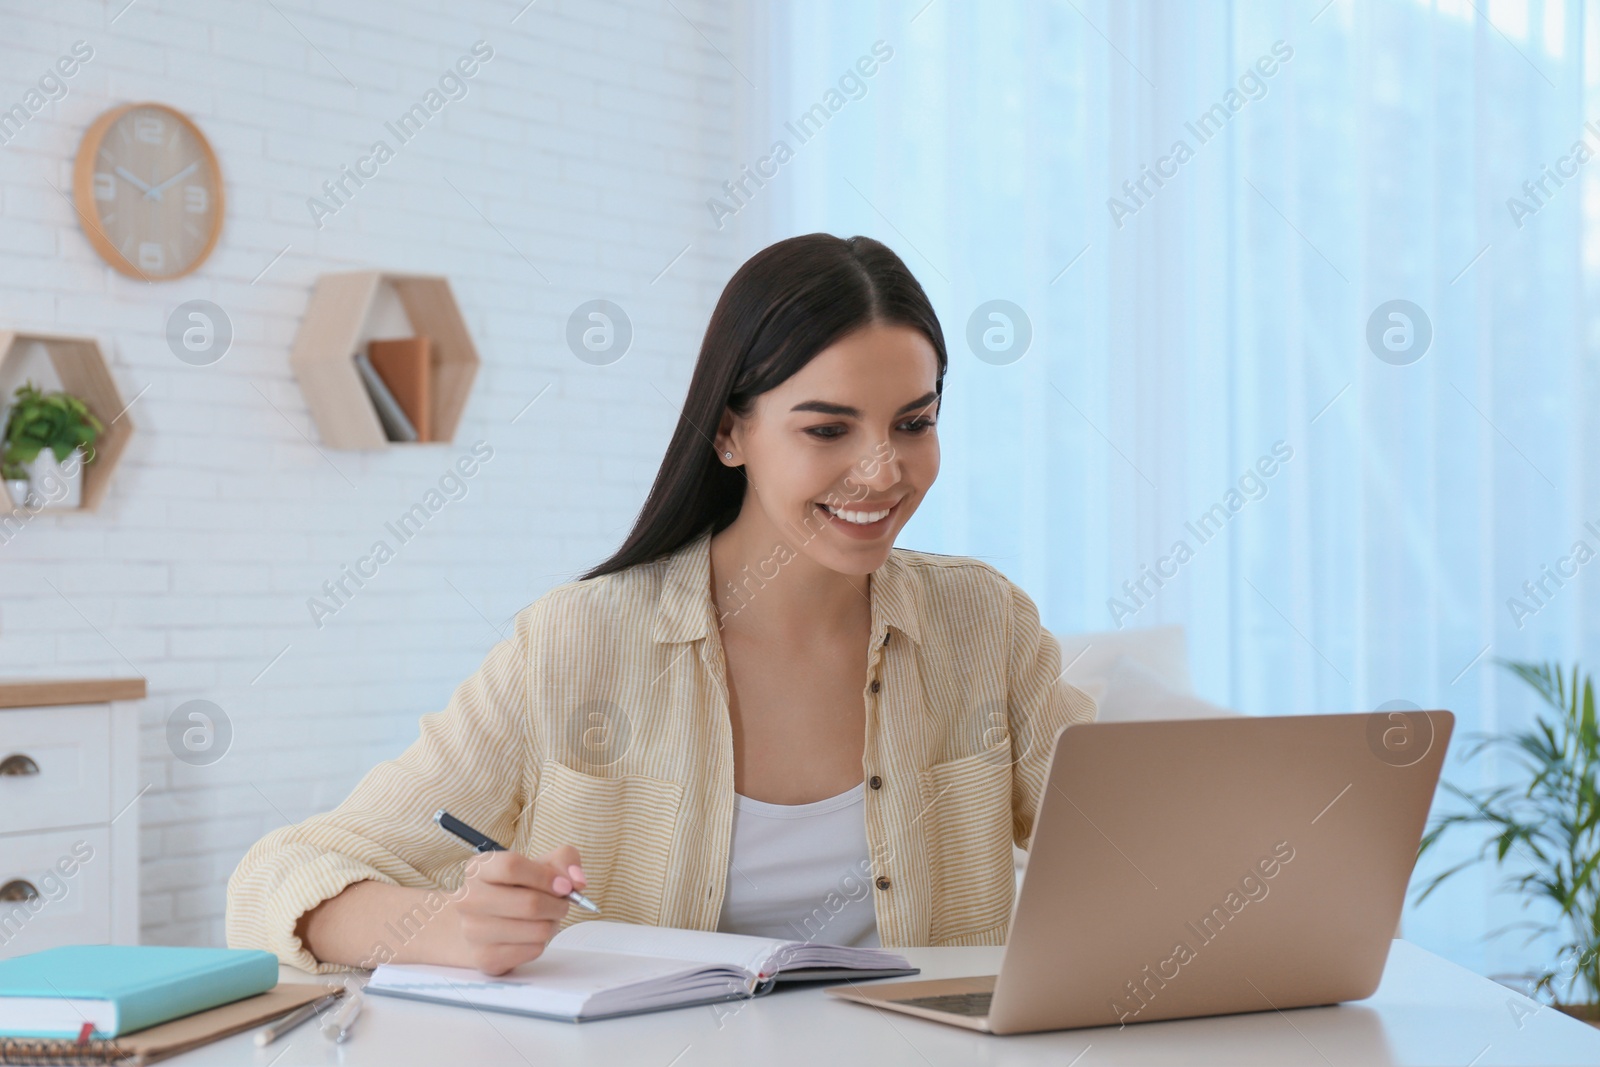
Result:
x=795 y=955
x=560 y=982
x=702 y=946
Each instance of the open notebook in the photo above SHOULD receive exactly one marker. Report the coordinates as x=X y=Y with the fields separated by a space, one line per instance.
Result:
x=598 y=969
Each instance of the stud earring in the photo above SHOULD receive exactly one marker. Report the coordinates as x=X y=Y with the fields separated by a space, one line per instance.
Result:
x=728 y=455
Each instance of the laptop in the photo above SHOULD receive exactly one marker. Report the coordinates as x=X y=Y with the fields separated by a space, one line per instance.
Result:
x=1203 y=867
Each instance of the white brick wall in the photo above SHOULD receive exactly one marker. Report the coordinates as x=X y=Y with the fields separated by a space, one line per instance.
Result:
x=591 y=140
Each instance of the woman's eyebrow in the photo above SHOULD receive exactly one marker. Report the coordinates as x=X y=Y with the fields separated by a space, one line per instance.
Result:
x=825 y=407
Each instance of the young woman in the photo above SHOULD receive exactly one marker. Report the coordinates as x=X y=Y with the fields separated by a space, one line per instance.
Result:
x=758 y=716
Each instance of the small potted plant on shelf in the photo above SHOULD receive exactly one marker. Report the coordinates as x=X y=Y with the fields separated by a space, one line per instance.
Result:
x=1546 y=824
x=48 y=439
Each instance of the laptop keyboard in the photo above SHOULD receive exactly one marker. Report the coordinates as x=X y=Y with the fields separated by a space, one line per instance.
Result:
x=954 y=1003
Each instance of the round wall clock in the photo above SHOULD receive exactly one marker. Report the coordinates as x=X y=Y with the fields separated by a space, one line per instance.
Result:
x=149 y=191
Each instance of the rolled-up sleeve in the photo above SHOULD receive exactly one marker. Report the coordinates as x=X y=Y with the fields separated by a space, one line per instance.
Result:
x=471 y=757
x=1040 y=703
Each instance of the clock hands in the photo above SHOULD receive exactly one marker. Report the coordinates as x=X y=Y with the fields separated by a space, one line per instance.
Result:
x=153 y=192
x=184 y=173
x=132 y=180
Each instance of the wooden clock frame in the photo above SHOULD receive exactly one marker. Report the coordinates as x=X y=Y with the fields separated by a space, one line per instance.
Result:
x=88 y=210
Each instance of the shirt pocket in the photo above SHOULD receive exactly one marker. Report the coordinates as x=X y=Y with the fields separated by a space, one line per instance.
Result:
x=623 y=829
x=972 y=874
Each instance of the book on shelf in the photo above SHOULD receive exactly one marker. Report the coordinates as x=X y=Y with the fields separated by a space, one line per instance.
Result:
x=406 y=365
x=597 y=969
x=396 y=425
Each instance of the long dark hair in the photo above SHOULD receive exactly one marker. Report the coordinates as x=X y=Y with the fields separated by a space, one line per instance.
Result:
x=787 y=303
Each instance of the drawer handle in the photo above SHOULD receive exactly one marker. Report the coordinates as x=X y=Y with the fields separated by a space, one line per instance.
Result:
x=18 y=765
x=18 y=889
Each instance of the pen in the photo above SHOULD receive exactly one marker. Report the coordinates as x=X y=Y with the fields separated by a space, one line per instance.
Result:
x=337 y=1027
x=483 y=843
x=270 y=1033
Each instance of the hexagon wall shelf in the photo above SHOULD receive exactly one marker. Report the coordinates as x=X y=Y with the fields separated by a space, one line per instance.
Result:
x=75 y=364
x=349 y=309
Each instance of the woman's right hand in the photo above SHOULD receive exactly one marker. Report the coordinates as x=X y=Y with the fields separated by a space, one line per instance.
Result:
x=505 y=912
x=510 y=905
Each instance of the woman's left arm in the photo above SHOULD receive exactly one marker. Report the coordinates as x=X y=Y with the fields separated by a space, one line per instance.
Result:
x=1039 y=703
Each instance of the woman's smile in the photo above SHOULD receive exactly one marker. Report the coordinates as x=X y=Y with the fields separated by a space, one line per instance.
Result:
x=858 y=521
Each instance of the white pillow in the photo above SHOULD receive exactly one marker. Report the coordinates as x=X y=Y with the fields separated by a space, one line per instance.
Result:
x=1087 y=659
x=1133 y=692
x=1126 y=688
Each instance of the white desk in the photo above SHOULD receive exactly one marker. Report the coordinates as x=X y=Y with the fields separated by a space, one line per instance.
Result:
x=1427 y=1011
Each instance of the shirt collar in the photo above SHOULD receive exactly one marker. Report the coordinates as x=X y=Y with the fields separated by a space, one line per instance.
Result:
x=687 y=611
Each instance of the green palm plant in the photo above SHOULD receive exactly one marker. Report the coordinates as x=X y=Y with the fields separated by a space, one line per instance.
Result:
x=1547 y=824
x=58 y=421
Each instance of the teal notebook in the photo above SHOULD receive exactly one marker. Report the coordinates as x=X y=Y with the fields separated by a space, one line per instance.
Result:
x=123 y=988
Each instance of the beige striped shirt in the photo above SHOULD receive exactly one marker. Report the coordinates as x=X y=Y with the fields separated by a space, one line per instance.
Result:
x=602 y=722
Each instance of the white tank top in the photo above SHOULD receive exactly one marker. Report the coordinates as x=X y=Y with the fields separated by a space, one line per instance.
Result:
x=801 y=872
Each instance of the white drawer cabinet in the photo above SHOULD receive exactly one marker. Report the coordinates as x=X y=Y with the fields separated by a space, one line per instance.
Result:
x=66 y=779
x=70 y=876
x=69 y=824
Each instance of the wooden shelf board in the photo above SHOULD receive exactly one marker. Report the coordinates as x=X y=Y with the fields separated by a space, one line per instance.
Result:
x=43 y=692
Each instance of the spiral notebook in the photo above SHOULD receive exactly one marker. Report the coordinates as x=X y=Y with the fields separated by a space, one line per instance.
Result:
x=598 y=969
x=170 y=1038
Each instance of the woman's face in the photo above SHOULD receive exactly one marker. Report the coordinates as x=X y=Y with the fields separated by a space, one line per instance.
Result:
x=849 y=438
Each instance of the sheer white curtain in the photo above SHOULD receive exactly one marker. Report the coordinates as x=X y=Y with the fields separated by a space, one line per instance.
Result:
x=1200 y=209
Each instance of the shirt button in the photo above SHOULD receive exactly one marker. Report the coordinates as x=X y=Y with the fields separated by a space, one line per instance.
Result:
x=882 y=883
x=876 y=685
x=875 y=782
